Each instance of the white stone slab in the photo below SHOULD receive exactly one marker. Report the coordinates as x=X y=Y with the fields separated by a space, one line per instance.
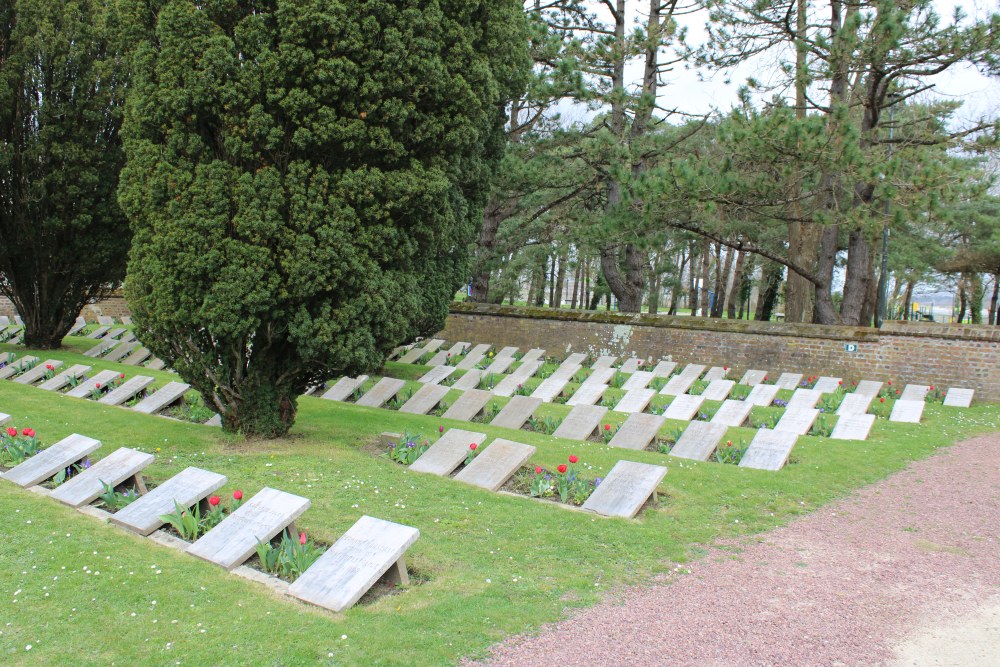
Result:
x=868 y=388
x=914 y=392
x=769 y=450
x=638 y=431
x=698 y=441
x=127 y=390
x=683 y=407
x=215 y=420
x=385 y=389
x=343 y=388
x=516 y=412
x=425 y=399
x=753 y=378
x=470 y=380
x=827 y=385
x=581 y=422
x=626 y=489
x=575 y=359
x=4 y=321
x=83 y=389
x=509 y=384
x=854 y=404
x=49 y=461
x=161 y=398
x=762 y=395
x=630 y=365
x=680 y=383
x=38 y=372
x=4 y=418
x=61 y=379
x=257 y=521
x=605 y=361
x=112 y=470
x=105 y=320
x=98 y=332
x=475 y=355
x=126 y=320
x=718 y=390
x=156 y=365
x=908 y=412
x=469 y=405
x=638 y=380
x=345 y=572
x=853 y=426
x=19 y=365
x=415 y=353
x=635 y=401
x=797 y=421
x=804 y=398
x=500 y=364
x=495 y=464
x=137 y=356
x=116 y=333
x=121 y=351
x=534 y=354
x=732 y=413
x=789 y=381
x=958 y=397
x=506 y=352
x=437 y=374
x=601 y=376
x=102 y=347
x=552 y=385
x=716 y=373
x=440 y=358
x=187 y=488
x=664 y=368
x=448 y=452
x=587 y=394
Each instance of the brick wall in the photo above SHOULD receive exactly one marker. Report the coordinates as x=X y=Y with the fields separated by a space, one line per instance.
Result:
x=114 y=306
x=925 y=353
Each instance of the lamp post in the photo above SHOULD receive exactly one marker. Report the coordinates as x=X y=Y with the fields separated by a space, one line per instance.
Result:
x=883 y=281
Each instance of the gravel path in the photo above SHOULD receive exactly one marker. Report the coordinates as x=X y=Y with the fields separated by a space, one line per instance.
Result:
x=872 y=579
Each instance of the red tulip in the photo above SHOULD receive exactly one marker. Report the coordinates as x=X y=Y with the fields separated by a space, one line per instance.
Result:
x=473 y=446
x=49 y=367
x=765 y=378
x=97 y=386
x=729 y=443
x=932 y=387
x=214 y=500
x=440 y=429
x=237 y=494
x=562 y=467
x=890 y=383
x=607 y=427
x=725 y=368
x=573 y=458
x=840 y=382
x=538 y=470
x=881 y=400
x=30 y=432
x=302 y=538
x=12 y=432
x=122 y=376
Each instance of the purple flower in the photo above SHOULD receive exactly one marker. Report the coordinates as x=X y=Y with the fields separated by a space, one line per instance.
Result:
x=86 y=464
x=597 y=481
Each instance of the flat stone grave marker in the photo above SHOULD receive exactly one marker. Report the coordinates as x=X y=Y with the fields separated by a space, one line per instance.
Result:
x=156 y=365
x=534 y=354
x=718 y=390
x=762 y=394
x=63 y=378
x=115 y=333
x=4 y=418
x=638 y=380
x=79 y=324
x=475 y=355
x=854 y=404
x=506 y=352
x=457 y=349
x=160 y=399
x=683 y=407
x=853 y=426
x=98 y=332
x=604 y=361
x=4 y=321
x=49 y=461
x=126 y=320
x=415 y=353
x=385 y=389
x=137 y=357
x=958 y=397
x=187 y=488
x=470 y=380
x=827 y=385
x=664 y=368
x=121 y=351
x=469 y=405
x=804 y=398
x=630 y=365
x=105 y=320
x=552 y=385
x=788 y=381
x=908 y=412
x=581 y=422
x=715 y=373
x=18 y=321
x=575 y=359
x=588 y=393
x=101 y=348
x=448 y=452
x=214 y=420
x=437 y=374
x=128 y=337
x=769 y=450
x=500 y=365
x=4 y=356
x=362 y=555
x=508 y=385
x=425 y=399
x=439 y=359
x=626 y=489
x=732 y=413
x=635 y=401
x=126 y=391
x=258 y=520
x=601 y=376
x=38 y=372
x=680 y=383
x=516 y=412
x=797 y=421
x=17 y=339
x=24 y=364
x=914 y=392
x=868 y=388
x=112 y=470
x=698 y=441
x=343 y=388
x=494 y=466
x=638 y=431
x=83 y=389
x=753 y=378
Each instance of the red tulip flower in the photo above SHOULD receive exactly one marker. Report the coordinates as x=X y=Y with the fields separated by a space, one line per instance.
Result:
x=12 y=432
x=725 y=368
x=97 y=386
x=562 y=467
x=890 y=383
x=30 y=432
x=473 y=446
x=214 y=500
x=122 y=376
x=49 y=367
x=932 y=387
x=607 y=427
x=237 y=495
x=881 y=400
x=573 y=458
x=440 y=429
x=729 y=443
x=302 y=538
x=538 y=470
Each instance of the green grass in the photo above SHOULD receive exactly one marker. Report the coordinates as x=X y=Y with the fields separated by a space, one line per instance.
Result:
x=485 y=566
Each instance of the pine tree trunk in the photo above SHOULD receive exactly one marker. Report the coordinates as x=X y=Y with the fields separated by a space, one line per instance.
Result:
x=993 y=300
x=627 y=288
x=825 y=313
x=722 y=282
x=770 y=286
x=907 y=297
x=856 y=282
x=735 y=293
x=706 y=263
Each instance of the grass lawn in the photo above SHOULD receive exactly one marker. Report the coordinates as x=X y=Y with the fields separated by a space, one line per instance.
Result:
x=486 y=566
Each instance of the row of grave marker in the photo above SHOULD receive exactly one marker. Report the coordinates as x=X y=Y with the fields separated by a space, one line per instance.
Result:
x=370 y=549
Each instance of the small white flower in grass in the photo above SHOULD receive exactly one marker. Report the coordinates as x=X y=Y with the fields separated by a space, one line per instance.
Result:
x=28 y=647
x=342 y=637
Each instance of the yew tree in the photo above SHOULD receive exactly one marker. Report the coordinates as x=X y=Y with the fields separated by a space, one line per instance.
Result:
x=304 y=179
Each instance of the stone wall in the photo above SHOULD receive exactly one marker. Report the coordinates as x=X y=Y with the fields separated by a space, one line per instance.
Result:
x=113 y=306
x=926 y=353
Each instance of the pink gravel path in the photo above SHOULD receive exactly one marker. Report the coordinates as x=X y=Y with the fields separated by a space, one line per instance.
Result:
x=842 y=585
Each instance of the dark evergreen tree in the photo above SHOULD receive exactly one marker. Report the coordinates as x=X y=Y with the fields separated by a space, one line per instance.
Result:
x=304 y=179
